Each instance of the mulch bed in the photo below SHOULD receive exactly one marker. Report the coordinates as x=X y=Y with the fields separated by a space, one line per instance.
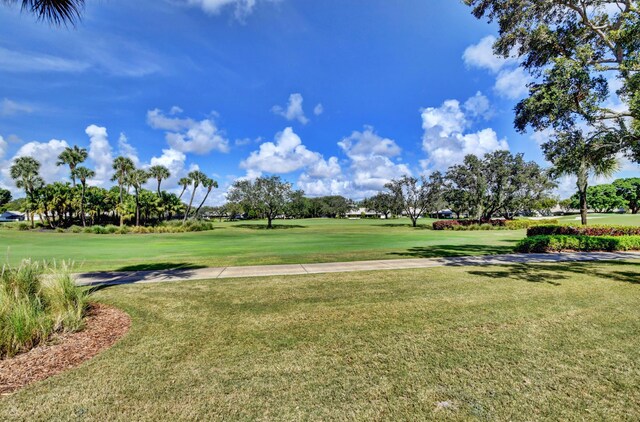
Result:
x=104 y=326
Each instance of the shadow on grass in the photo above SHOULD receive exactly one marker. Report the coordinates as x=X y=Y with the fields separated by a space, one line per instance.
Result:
x=166 y=271
x=161 y=266
x=264 y=226
x=451 y=251
x=552 y=274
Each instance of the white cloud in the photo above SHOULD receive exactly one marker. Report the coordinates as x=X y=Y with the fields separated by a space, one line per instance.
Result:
x=3 y=147
x=10 y=108
x=318 y=109
x=371 y=166
x=125 y=149
x=446 y=141
x=287 y=154
x=47 y=155
x=325 y=169
x=511 y=80
x=478 y=106
x=242 y=8
x=100 y=153
x=188 y=135
x=512 y=83
x=481 y=55
x=293 y=111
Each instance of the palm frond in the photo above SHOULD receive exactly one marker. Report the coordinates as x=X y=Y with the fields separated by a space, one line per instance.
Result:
x=56 y=12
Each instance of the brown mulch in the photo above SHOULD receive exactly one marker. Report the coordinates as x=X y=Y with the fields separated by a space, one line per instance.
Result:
x=104 y=326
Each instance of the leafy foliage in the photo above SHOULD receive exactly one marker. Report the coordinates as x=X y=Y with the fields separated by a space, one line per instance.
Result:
x=417 y=196
x=37 y=300
x=267 y=196
x=559 y=243
x=552 y=229
x=497 y=184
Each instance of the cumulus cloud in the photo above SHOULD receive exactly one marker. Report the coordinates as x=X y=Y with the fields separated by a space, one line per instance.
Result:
x=446 y=140
x=188 y=135
x=10 y=108
x=511 y=80
x=371 y=165
x=293 y=110
x=47 y=154
x=285 y=155
x=125 y=149
x=100 y=153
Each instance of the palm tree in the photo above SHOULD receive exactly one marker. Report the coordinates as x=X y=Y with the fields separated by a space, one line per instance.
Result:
x=122 y=166
x=209 y=184
x=72 y=157
x=83 y=174
x=184 y=182
x=25 y=172
x=573 y=155
x=56 y=12
x=197 y=177
x=159 y=173
x=136 y=178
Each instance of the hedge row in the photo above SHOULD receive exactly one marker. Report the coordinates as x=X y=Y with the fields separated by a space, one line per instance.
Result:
x=559 y=243
x=548 y=230
x=489 y=224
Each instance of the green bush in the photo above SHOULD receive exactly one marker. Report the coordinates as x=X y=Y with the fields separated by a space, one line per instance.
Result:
x=37 y=300
x=24 y=226
x=525 y=224
x=75 y=229
x=559 y=243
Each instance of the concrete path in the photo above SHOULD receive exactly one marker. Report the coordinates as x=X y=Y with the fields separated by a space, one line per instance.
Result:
x=114 y=278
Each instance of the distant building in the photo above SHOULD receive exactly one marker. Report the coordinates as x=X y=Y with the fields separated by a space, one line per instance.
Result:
x=11 y=216
x=363 y=213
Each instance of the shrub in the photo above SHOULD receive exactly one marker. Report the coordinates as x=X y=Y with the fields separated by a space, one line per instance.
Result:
x=111 y=229
x=558 y=243
x=37 y=300
x=464 y=224
x=489 y=224
x=23 y=226
x=584 y=231
x=75 y=229
x=525 y=224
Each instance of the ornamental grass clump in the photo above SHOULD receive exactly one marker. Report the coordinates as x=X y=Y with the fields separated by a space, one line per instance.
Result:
x=36 y=301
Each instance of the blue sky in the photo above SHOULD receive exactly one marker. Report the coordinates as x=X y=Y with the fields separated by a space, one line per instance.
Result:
x=335 y=96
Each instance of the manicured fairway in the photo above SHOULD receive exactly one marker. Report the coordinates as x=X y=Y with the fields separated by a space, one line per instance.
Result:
x=537 y=342
x=248 y=243
x=595 y=219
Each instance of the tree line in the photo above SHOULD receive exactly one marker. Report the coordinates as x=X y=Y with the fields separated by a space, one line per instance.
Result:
x=498 y=184
x=63 y=204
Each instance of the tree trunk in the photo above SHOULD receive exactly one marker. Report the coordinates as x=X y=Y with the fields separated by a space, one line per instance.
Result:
x=137 y=209
x=269 y=219
x=583 y=206
x=414 y=221
x=202 y=203
x=120 y=212
x=190 y=203
x=159 y=181
x=84 y=220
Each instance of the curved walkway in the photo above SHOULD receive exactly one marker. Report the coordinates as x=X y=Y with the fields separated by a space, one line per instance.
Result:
x=130 y=277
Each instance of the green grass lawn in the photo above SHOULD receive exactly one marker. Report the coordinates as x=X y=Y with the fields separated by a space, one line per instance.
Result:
x=536 y=342
x=248 y=243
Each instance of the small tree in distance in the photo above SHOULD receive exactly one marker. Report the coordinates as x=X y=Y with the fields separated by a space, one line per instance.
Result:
x=417 y=195
x=267 y=196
